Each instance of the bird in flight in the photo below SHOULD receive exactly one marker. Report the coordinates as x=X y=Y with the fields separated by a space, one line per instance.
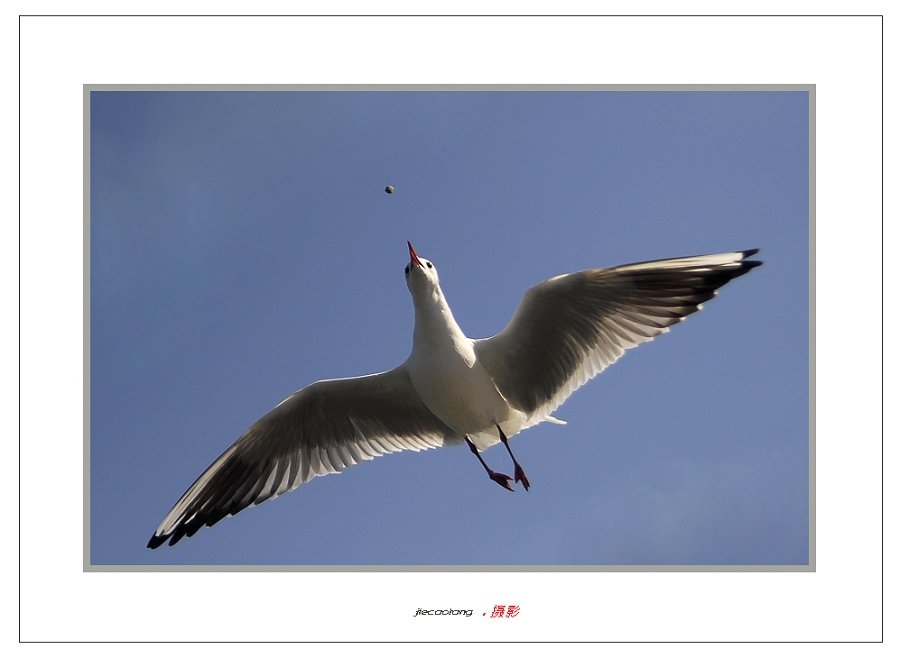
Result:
x=454 y=390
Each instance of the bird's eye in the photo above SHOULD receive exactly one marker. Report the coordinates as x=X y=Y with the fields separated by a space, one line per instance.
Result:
x=406 y=270
x=429 y=264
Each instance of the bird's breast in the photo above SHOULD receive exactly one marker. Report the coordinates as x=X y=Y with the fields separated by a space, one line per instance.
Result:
x=458 y=390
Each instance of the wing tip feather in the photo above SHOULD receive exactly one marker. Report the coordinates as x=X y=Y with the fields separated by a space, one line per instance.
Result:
x=156 y=541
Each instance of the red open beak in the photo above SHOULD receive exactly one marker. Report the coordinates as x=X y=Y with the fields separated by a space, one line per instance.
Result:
x=413 y=258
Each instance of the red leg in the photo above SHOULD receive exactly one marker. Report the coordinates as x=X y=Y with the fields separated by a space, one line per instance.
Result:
x=499 y=478
x=520 y=474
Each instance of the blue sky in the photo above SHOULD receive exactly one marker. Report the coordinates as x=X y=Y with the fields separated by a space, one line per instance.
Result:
x=242 y=247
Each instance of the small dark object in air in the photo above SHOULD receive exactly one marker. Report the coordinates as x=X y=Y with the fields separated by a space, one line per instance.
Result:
x=389 y=189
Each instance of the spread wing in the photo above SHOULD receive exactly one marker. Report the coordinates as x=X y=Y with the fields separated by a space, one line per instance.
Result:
x=323 y=428
x=570 y=328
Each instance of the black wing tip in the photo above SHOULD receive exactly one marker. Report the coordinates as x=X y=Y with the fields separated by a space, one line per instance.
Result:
x=156 y=541
x=750 y=252
x=748 y=265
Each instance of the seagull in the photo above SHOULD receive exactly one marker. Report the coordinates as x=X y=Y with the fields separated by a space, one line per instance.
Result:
x=455 y=390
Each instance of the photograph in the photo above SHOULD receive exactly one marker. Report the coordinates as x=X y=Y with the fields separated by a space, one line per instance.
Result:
x=611 y=370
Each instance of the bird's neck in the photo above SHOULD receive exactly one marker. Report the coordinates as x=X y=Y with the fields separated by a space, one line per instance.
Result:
x=436 y=328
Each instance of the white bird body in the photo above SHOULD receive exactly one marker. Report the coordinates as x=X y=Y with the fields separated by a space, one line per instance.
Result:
x=444 y=368
x=453 y=389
